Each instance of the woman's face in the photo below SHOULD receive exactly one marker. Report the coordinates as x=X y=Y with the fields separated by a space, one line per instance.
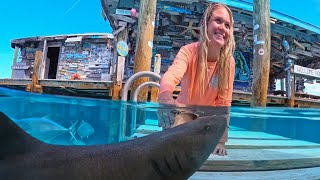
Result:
x=219 y=26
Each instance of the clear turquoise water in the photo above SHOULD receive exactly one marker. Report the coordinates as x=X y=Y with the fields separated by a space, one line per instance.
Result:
x=104 y=115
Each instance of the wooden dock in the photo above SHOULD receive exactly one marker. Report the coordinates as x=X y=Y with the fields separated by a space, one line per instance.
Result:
x=102 y=89
x=256 y=155
x=305 y=173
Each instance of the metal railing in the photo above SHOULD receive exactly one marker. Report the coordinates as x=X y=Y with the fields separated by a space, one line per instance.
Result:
x=124 y=99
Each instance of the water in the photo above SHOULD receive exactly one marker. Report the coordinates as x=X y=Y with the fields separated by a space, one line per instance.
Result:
x=103 y=116
x=300 y=124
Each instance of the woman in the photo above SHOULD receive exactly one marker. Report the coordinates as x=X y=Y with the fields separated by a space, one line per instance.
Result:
x=205 y=68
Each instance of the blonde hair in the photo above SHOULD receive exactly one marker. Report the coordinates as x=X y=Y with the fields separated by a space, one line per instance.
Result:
x=223 y=62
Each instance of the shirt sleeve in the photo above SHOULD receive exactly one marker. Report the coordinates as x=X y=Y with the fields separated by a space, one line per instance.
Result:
x=172 y=77
x=227 y=100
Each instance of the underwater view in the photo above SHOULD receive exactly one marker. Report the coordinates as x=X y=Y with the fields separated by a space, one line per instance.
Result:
x=67 y=120
x=272 y=138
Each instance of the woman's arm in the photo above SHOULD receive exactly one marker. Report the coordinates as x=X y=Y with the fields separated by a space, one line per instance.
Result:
x=169 y=81
x=172 y=77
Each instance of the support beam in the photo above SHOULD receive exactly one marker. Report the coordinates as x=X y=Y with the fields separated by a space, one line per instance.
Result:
x=35 y=85
x=156 y=69
x=15 y=57
x=261 y=52
x=44 y=60
x=144 y=45
x=290 y=84
x=117 y=76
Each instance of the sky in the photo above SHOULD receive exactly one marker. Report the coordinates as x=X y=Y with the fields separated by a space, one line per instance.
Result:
x=21 y=18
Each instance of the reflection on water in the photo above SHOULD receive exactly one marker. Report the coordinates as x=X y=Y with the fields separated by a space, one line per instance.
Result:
x=85 y=121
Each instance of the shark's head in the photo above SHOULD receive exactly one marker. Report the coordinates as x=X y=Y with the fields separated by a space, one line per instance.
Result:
x=189 y=145
x=204 y=134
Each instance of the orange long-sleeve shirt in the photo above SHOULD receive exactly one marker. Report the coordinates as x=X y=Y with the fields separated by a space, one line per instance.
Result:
x=184 y=70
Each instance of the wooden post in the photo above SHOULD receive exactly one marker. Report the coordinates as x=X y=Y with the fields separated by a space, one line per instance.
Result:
x=15 y=57
x=44 y=60
x=282 y=84
x=261 y=52
x=144 y=44
x=35 y=85
x=156 y=69
x=293 y=93
x=117 y=76
x=290 y=84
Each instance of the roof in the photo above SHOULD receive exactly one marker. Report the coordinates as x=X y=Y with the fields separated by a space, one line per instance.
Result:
x=274 y=14
x=61 y=37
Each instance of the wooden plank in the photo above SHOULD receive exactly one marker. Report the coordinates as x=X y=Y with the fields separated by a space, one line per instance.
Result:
x=254 y=135
x=123 y=18
x=298 y=44
x=268 y=143
x=304 y=173
x=263 y=159
x=305 y=53
x=81 y=84
x=315 y=50
x=261 y=55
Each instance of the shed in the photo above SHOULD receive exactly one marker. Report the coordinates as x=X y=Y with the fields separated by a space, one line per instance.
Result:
x=65 y=57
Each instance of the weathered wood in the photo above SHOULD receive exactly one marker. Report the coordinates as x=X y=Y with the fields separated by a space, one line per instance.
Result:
x=298 y=44
x=117 y=81
x=35 y=85
x=119 y=30
x=263 y=159
x=277 y=28
x=156 y=69
x=123 y=18
x=302 y=52
x=261 y=55
x=291 y=100
x=56 y=83
x=303 y=173
x=44 y=60
x=290 y=88
x=15 y=57
x=144 y=45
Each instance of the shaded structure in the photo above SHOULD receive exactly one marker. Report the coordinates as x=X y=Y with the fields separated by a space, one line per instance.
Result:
x=294 y=43
x=66 y=63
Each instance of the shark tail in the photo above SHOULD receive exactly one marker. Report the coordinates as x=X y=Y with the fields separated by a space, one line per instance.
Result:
x=13 y=139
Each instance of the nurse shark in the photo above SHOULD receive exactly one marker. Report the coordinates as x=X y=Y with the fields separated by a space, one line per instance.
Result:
x=175 y=153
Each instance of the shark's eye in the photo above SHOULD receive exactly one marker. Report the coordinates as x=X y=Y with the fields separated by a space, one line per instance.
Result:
x=207 y=128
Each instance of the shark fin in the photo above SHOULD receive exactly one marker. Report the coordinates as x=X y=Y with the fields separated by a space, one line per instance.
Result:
x=13 y=139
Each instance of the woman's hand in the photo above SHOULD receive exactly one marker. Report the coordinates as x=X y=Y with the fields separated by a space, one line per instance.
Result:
x=166 y=115
x=220 y=149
